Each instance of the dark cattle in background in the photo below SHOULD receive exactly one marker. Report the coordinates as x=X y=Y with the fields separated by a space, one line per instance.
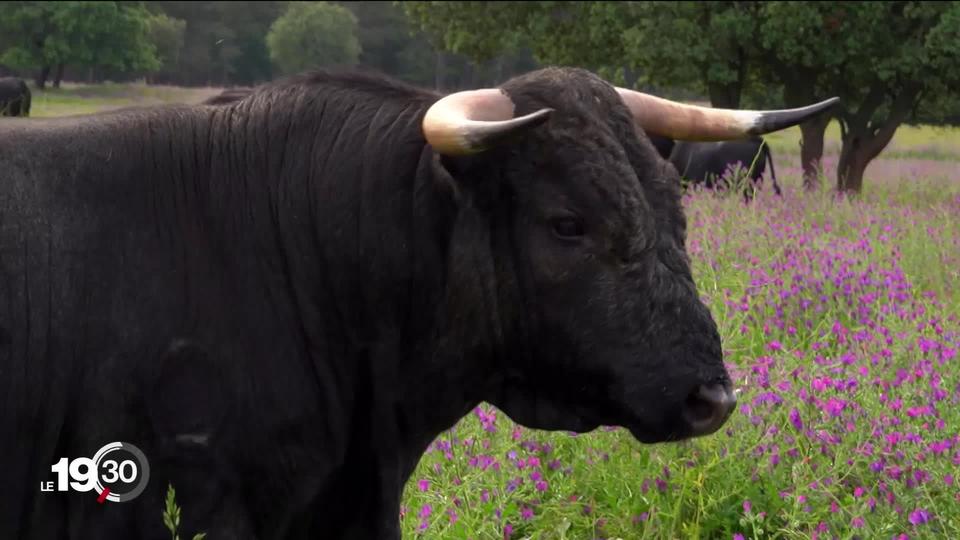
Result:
x=703 y=162
x=230 y=95
x=706 y=162
x=14 y=97
x=663 y=145
x=283 y=301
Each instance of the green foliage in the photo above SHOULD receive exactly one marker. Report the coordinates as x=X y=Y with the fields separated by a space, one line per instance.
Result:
x=855 y=45
x=888 y=61
x=699 y=45
x=479 y=30
x=584 y=34
x=248 y=23
x=312 y=34
x=25 y=25
x=110 y=34
x=387 y=42
x=171 y=516
x=224 y=42
x=166 y=34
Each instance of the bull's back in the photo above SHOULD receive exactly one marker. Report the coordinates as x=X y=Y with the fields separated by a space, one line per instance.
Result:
x=137 y=305
x=95 y=290
x=64 y=265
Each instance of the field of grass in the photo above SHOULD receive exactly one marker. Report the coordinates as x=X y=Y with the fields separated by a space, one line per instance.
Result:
x=922 y=142
x=74 y=99
x=839 y=320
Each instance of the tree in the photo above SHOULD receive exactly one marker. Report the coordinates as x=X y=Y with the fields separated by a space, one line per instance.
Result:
x=249 y=23
x=197 y=62
x=703 y=47
x=706 y=46
x=166 y=34
x=224 y=42
x=800 y=41
x=51 y=35
x=387 y=42
x=922 y=61
x=585 y=34
x=312 y=34
x=886 y=60
x=478 y=30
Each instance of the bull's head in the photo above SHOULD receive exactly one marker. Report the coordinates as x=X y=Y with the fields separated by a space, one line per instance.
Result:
x=607 y=327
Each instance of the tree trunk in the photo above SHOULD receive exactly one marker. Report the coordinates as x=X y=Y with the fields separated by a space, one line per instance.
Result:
x=724 y=96
x=864 y=139
x=58 y=76
x=811 y=150
x=42 y=76
x=727 y=96
x=799 y=91
x=854 y=159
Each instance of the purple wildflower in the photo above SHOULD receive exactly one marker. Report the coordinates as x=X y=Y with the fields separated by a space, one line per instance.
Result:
x=795 y=419
x=919 y=516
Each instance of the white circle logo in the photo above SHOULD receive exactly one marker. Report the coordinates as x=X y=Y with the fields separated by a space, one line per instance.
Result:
x=122 y=472
x=118 y=472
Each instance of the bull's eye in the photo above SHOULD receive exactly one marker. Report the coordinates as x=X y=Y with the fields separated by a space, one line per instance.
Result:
x=567 y=227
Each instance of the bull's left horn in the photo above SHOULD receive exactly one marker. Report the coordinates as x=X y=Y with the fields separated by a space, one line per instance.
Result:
x=472 y=121
x=692 y=123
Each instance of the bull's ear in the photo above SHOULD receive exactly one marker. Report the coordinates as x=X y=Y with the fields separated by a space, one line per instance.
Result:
x=446 y=169
x=452 y=175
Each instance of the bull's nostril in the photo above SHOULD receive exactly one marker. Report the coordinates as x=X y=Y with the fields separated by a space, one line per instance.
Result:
x=708 y=407
x=696 y=408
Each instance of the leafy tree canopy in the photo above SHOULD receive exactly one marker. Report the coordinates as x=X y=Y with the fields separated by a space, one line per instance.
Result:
x=313 y=34
x=886 y=60
x=110 y=34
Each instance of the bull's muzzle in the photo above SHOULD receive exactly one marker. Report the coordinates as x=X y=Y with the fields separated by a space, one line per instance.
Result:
x=708 y=407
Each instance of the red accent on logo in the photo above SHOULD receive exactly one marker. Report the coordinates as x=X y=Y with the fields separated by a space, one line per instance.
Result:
x=103 y=496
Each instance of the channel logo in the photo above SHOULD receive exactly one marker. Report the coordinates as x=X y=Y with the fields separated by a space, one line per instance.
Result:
x=118 y=472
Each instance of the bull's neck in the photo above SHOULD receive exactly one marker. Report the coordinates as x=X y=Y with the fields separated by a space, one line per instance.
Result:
x=388 y=279
x=381 y=261
x=393 y=288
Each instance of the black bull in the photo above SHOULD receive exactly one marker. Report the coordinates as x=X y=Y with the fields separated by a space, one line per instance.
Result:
x=14 y=97
x=282 y=301
x=707 y=162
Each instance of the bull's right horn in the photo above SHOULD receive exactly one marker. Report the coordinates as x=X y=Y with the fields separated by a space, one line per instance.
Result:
x=472 y=121
x=693 y=123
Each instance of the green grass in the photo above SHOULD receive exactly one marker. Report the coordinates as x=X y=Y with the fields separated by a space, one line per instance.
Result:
x=923 y=142
x=74 y=99
x=171 y=516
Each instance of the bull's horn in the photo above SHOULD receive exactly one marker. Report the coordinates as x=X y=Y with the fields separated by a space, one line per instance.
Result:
x=692 y=123
x=472 y=121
